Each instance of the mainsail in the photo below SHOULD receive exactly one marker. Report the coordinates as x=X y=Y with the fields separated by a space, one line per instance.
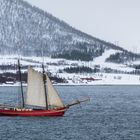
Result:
x=35 y=91
x=52 y=95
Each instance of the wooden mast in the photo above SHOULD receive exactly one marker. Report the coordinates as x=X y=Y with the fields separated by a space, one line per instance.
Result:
x=44 y=80
x=20 y=78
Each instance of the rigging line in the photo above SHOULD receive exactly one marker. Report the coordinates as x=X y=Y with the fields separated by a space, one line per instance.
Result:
x=77 y=88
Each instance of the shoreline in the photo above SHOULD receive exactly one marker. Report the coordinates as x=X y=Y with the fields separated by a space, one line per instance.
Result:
x=93 y=84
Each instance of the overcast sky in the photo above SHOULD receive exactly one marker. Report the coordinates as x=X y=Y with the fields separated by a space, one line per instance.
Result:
x=117 y=21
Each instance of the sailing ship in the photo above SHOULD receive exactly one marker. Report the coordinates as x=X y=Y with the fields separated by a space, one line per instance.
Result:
x=41 y=98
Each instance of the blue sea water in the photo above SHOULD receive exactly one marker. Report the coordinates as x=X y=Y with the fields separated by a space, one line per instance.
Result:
x=113 y=113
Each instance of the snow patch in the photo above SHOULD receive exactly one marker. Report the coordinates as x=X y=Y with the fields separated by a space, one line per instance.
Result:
x=105 y=55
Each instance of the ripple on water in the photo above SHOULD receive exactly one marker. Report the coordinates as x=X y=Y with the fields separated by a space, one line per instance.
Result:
x=112 y=114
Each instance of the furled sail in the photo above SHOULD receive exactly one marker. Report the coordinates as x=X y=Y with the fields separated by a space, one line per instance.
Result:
x=35 y=91
x=52 y=95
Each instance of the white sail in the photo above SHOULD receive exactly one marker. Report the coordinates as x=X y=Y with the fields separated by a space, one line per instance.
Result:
x=52 y=95
x=35 y=91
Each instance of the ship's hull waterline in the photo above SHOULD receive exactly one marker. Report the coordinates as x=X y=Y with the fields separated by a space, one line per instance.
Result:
x=35 y=113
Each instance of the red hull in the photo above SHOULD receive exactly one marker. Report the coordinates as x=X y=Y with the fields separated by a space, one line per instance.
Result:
x=28 y=113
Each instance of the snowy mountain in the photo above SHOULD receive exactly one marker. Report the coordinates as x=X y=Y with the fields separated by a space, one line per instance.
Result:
x=70 y=55
x=31 y=31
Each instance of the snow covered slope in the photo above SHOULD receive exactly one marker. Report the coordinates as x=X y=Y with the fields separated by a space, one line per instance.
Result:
x=124 y=76
x=31 y=32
